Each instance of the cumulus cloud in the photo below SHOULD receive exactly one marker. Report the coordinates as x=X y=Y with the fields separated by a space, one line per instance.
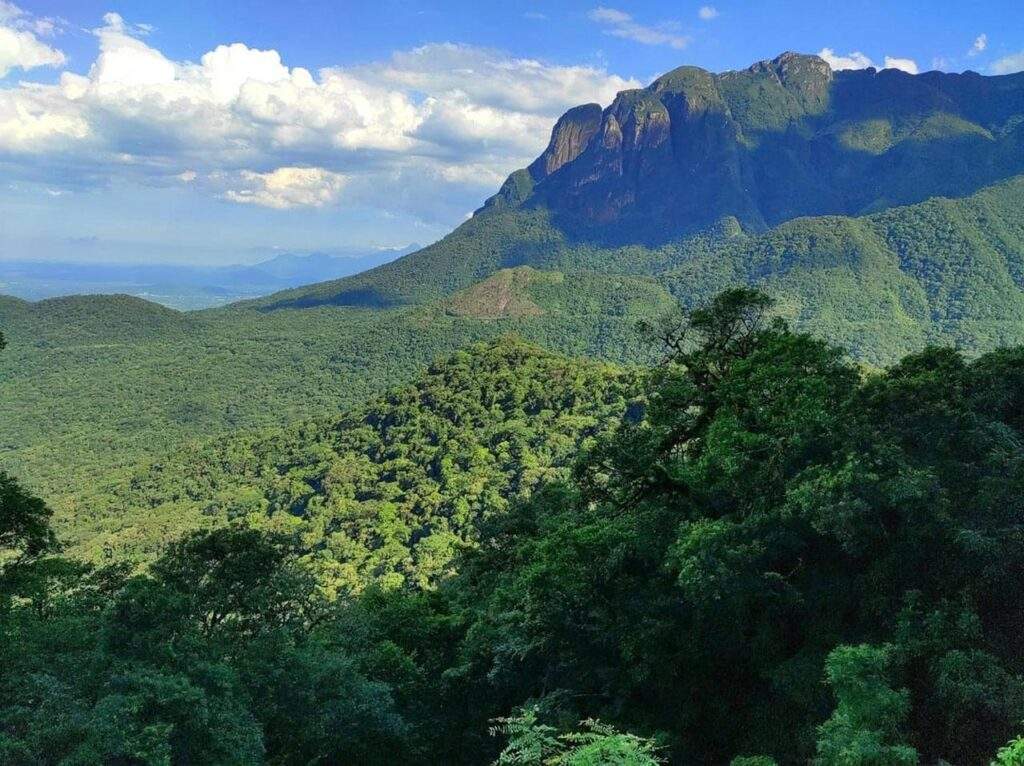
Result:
x=858 y=60
x=242 y=124
x=855 y=60
x=707 y=13
x=620 y=24
x=288 y=187
x=907 y=65
x=20 y=46
x=1009 y=64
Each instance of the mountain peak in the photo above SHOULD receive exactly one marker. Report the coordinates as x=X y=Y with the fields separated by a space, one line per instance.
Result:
x=783 y=138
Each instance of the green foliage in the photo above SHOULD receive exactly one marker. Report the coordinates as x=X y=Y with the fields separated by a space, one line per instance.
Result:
x=864 y=729
x=1012 y=754
x=602 y=745
x=213 y=657
x=766 y=520
x=80 y=397
x=388 y=493
x=531 y=743
x=24 y=523
x=94 y=384
x=772 y=505
x=25 y=532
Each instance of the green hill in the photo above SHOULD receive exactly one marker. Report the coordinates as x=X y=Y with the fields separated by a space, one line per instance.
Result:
x=386 y=493
x=79 y=398
x=98 y=381
x=944 y=270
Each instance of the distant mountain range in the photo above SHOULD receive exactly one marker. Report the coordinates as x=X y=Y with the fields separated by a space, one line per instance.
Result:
x=186 y=286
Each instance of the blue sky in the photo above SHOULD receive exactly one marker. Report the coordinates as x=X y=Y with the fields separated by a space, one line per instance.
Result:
x=211 y=132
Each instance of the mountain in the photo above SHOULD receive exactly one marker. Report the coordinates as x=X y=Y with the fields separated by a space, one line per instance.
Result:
x=674 y=175
x=295 y=269
x=91 y=383
x=184 y=286
x=783 y=139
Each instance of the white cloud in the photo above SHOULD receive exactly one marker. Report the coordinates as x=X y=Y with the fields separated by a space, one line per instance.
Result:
x=20 y=47
x=241 y=124
x=979 y=46
x=906 y=65
x=858 y=60
x=854 y=60
x=707 y=13
x=492 y=79
x=12 y=15
x=286 y=188
x=1009 y=64
x=620 y=24
x=125 y=61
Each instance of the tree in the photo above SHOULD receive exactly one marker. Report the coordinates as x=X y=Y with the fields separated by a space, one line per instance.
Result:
x=531 y=743
x=25 y=531
x=1012 y=754
x=865 y=728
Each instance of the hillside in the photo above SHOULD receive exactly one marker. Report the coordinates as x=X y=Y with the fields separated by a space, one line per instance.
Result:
x=944 y=270
x=428 y=580
x=391 y=490
x=526 y=292
x=87 y=384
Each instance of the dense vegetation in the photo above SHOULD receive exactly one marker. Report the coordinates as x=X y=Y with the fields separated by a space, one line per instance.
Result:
x=385 y=494
x=778 y=558
x=93 y=383
x=759 y=551
x=943 y=271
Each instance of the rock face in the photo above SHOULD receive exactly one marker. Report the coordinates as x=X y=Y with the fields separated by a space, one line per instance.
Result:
x=570 y=136
x=782 y=139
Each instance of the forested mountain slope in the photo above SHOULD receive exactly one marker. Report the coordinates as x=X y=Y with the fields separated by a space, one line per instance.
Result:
x=386 y=493
x=697 y=152
x=944 y=270
x=87 y=384
x=98 y=381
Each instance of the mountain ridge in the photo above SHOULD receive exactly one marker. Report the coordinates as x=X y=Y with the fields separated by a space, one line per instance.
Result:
x=700 y=154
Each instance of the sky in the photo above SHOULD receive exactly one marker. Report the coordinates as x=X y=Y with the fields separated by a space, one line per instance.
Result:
x=216 y=131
